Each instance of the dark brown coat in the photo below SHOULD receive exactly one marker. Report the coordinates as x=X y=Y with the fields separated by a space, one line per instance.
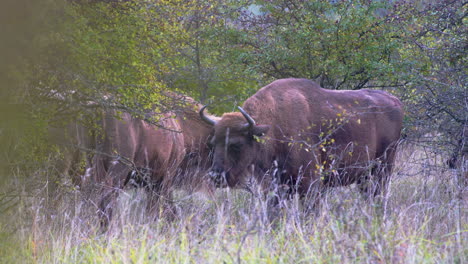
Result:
x=303 y=135
x=174 y=156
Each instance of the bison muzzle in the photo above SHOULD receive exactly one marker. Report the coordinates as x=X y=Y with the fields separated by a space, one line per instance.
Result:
x=303 y=136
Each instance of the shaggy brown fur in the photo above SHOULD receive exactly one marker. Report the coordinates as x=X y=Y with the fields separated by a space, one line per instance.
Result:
x=173 y=156
x=307 y=136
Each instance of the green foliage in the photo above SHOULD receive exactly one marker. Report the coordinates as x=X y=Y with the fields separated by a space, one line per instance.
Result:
x=113 y=52
x=203 y=66
x=23 y=114
x=435 y=43
x=347 y=44
x=13 y=250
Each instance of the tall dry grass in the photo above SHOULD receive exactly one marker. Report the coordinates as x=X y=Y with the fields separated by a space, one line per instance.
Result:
x=424 y=219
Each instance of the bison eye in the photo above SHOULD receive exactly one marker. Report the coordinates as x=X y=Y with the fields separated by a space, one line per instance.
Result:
x=235 y=147
x=211 y=142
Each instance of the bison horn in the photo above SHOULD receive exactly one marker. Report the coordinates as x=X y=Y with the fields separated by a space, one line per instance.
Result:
x=206 y=118
x=247 y=116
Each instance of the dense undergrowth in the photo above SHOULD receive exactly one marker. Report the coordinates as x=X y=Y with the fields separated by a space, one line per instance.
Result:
x=423 y=220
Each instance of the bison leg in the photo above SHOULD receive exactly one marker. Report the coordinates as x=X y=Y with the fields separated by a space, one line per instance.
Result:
x=311 y=189
x=160 y=203
x=106 y=205
x=376 y=183
x=112 y=184
x=385 y=171
x=275 y=192
x=311 y=201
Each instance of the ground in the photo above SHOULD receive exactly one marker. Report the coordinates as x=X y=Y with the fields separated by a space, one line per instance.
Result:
x=423 y=220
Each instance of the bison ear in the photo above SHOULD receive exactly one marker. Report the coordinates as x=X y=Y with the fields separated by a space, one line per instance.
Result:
x=260 y=130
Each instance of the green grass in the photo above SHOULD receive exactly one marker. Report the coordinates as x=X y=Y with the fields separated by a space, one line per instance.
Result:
x=422 y=221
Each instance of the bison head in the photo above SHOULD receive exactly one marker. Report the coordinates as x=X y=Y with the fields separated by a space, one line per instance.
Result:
x=235 y=146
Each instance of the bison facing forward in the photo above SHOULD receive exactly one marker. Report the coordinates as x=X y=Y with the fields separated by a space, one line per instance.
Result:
x=302 y=136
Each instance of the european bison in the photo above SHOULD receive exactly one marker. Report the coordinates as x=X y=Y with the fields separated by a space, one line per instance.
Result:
x=305 y=136
x=131 y=149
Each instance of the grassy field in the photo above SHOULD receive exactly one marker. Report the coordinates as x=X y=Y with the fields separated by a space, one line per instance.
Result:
x=423 y=220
